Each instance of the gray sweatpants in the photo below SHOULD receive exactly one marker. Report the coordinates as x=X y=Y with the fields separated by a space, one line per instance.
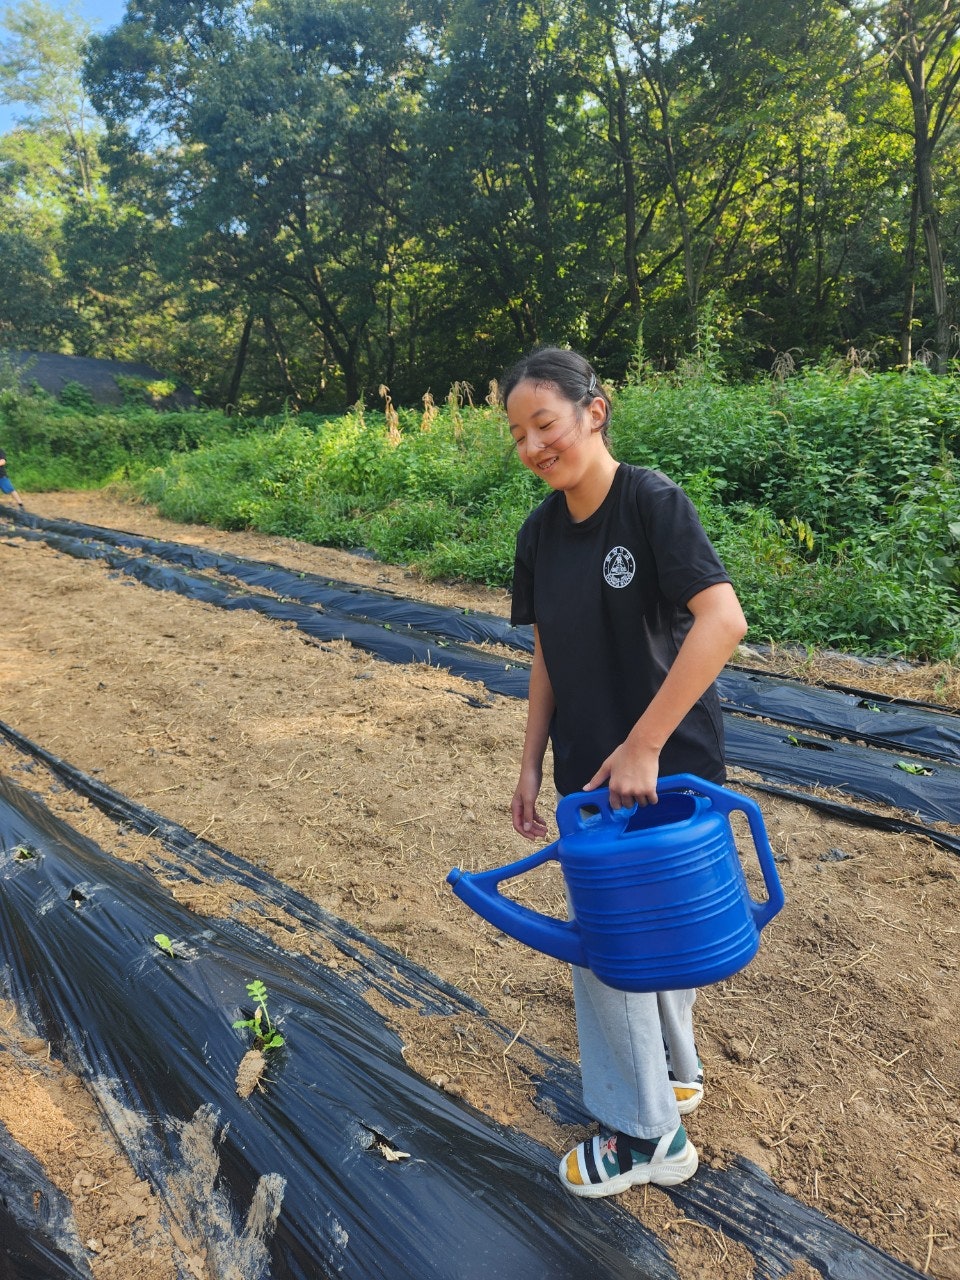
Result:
x=623 y=1062
x=624 y=1038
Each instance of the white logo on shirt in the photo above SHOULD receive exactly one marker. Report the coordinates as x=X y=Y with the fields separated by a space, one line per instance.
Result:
x=619 y=567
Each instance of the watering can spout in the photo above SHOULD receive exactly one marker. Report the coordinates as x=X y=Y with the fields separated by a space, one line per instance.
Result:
x=480 y=890
x=658 y=895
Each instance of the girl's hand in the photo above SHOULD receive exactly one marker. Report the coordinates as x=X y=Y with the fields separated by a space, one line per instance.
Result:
x=523 y=807
x=631 y=774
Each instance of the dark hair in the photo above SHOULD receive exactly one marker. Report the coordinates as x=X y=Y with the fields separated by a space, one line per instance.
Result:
x=568 y=371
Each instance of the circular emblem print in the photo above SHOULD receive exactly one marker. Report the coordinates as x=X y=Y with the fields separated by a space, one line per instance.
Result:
x=619 y=567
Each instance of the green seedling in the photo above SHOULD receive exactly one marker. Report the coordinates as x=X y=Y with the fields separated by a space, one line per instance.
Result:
x=265 y=1034
x=164 y=943
x=920 y=770
x=23 y=853
x=265 y=1037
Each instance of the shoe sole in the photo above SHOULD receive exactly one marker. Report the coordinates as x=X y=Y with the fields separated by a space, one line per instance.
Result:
x=664 y=1174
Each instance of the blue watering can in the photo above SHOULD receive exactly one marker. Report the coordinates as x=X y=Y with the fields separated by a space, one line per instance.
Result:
x=658 y=895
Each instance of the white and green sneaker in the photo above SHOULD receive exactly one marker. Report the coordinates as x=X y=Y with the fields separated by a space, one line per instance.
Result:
x=609 y=1163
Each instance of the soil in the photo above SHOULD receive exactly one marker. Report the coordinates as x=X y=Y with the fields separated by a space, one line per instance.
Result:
x=831 y=1061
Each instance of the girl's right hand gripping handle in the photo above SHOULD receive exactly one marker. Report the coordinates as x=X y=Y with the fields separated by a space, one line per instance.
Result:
x=728 y=802
x=479 y=890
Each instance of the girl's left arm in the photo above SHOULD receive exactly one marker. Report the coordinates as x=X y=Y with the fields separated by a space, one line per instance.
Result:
x=631 y=771
x=540 y=706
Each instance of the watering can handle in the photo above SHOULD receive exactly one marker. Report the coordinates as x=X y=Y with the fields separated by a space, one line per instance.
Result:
x=729 y=802
x=581 y=809
x=479 y=890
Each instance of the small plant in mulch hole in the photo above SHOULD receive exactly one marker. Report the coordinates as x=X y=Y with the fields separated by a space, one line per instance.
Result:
x=164 y=943
x=810 y=744
x=24 y=853
x=265 y=1038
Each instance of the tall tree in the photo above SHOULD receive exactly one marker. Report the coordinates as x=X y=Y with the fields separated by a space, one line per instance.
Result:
x=806 y=245
x=508 y=185
x=919 y=41
x=289 y=166
x=86 y=250
x=55 y=142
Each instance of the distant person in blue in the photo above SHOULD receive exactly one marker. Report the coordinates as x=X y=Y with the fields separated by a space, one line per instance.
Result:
x=6 y=484
x=634 y=617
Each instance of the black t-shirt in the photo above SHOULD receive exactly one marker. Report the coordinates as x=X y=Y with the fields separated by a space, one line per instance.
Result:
x=609 y=596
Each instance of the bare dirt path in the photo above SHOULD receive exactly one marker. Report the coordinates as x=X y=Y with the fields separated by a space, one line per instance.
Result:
x=832 y=1062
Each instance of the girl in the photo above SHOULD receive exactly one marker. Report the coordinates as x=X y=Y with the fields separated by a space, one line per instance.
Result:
x=6 y=484
x=634 y=617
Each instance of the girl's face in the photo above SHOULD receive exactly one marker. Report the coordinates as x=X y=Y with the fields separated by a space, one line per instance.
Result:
x=556 y=439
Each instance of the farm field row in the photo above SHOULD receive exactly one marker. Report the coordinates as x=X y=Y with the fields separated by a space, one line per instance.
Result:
x=831 y=1061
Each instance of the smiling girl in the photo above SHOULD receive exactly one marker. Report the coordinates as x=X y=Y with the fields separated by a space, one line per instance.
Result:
x=634 y=617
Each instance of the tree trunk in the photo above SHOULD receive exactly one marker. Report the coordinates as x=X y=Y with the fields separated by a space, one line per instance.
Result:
x=280 y=354
x=629 y=189
x=230 y=400
x=938 y=276
x=913 y=70
x=910 y=282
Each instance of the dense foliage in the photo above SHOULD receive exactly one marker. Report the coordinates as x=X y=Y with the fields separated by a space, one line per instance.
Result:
x=296 y=201
x=832 y=495
x=72 y=443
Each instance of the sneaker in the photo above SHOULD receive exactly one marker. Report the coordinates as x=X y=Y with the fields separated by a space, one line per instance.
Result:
x=688 y=1093
x=611 y=1162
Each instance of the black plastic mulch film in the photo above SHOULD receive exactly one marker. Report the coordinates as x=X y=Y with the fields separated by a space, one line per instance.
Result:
x=302 y=1159
x=37 y=1238
x=294 y=1181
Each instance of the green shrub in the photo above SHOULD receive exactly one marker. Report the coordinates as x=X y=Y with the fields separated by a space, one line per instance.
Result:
x=73 y=395
x=833 y=500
